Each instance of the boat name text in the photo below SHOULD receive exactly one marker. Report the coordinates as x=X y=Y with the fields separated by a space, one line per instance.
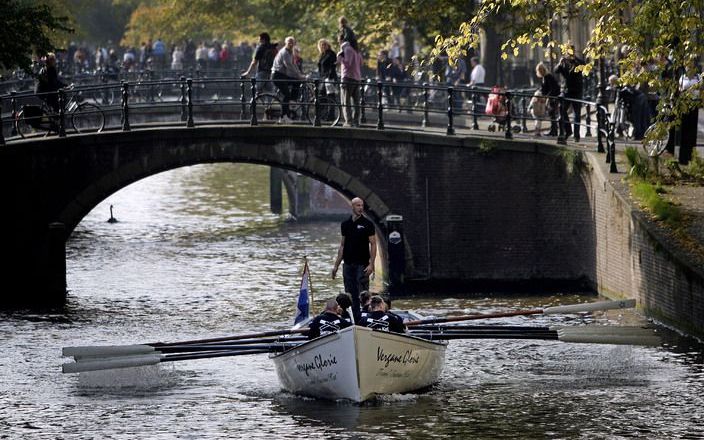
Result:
x=318 y=363
x=408 y=357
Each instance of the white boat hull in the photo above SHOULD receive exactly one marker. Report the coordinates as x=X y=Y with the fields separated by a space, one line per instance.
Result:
x=358 y=363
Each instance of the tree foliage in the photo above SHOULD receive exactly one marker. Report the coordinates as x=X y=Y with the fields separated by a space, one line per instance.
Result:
x=27 y=28
x=653 y=42
x=375 y=22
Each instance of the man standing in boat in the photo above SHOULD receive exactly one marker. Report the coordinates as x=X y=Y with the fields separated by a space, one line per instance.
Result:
x=358 y=251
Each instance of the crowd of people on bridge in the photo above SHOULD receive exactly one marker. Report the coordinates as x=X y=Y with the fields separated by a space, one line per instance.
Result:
x=341 y=67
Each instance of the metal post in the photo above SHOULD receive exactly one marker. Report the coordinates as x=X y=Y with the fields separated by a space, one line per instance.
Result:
x=426 y=97
x=13 y=103
x=362 y=103
x=561 y=116
x=125 y=106
x=62 y=113
x=396 y=253
x=475 y=114
x=189 y=90
x=508 y=133
x=253 y=104
x=612 y=167
x=380 y=106
x=316 y=102
x=182 y=99
x=197 y=88
x=524 y=114
x=610 y=137
x=2 y=136
x=450 y=103
x=243 y=101
x=601 y=105
x=588 y=121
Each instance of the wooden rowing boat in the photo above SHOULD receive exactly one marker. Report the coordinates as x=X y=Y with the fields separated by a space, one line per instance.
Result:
x=358 y=363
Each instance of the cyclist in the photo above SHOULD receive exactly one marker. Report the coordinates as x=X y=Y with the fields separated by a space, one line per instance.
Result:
x=284 y=73
x=48 y=83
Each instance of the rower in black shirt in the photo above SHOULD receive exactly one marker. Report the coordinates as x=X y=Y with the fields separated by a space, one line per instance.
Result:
x=344 y=300
x=364 y=299
x=378 y=319
x=327 y=322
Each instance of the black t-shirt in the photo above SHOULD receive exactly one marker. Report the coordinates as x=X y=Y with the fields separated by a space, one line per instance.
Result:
x=326 y=323
x=356 y=233
x=264 y=55
x=387 y=322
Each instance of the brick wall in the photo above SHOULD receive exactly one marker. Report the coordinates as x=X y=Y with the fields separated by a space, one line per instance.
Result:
x=499 y=214
x=637 y=259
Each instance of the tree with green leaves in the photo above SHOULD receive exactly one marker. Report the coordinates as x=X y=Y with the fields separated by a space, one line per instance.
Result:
x=375 y=22
x=653 y=42
x=27 y=28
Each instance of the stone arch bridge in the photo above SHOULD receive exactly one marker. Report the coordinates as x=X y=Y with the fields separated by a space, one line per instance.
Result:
x=474 y=210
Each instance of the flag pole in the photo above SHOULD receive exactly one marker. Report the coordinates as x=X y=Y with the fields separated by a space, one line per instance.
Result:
x=310 y=282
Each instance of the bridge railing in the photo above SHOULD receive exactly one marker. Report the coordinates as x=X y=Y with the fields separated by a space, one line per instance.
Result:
x=401 y=105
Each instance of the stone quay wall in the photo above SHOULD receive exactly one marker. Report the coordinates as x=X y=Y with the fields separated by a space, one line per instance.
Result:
x=635 y=258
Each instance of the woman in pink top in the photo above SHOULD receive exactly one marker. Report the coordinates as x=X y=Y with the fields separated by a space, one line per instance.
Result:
x=350 y=62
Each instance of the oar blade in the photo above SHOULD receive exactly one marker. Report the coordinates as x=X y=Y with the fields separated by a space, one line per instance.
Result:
x=111 y=363
x=590 y=307
x=610 y=335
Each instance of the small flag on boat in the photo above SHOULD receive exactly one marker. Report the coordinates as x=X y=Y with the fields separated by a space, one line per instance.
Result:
x=303 y=306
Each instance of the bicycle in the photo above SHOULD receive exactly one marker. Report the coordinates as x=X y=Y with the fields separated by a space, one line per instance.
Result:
x=107 y=94
x=270 y=108
x=42 y=120
x=144 y=89
x=621 y=117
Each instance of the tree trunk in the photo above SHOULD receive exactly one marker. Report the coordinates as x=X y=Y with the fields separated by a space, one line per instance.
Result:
x=491 y=56
x=409 y=43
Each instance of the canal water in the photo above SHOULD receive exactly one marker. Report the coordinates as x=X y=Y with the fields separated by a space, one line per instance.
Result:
x=196 y=253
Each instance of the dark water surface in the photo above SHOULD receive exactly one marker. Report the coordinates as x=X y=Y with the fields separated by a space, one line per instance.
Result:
x=196 y=253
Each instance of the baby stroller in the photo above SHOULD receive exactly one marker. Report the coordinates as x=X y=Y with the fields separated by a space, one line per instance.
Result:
x=497 y=106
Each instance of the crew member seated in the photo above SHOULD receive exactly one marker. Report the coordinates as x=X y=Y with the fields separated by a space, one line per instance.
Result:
x=378 y=319
x=327 y=322
x=364 y=298
x=344 y=300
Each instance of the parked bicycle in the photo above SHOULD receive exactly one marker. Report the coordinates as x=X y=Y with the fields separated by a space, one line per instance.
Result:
x=145 y=89
x=42 y=120
x=621 y=117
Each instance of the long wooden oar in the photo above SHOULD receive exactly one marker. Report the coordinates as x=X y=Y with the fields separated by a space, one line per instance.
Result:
x=276 y=346
x=79 y=352
x=567 y=309
x=93 y=360
x=128 y=361
x=472 y=328
x=192 y=356
x=586 y=334
x=234 y=337
x=484 y=335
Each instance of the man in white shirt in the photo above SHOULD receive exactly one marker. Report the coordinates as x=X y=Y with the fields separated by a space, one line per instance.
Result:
x=476 y=78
